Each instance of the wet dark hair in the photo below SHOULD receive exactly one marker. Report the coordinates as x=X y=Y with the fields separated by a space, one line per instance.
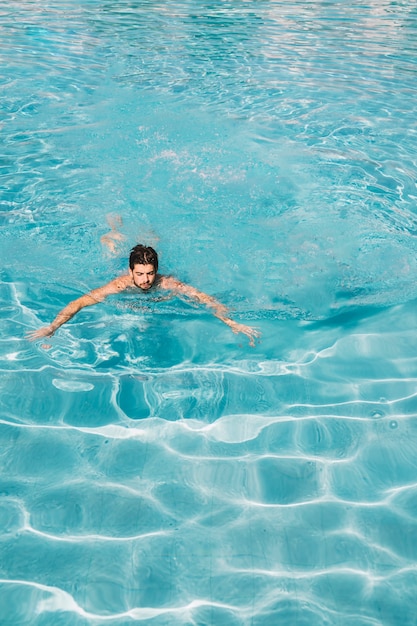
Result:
x=143 y=255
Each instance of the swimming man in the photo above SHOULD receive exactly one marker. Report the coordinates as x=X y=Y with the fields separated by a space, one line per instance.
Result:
x=142 y=275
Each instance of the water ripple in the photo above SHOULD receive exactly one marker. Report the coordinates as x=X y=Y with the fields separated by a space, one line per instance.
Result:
x=154 y=467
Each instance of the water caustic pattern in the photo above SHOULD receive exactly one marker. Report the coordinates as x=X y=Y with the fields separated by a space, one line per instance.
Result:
x=243 y=493
x=155 y=468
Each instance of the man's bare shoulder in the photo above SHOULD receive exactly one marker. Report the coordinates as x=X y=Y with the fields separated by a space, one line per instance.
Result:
x=114 y=286
x=176 y=286
x=170 y=283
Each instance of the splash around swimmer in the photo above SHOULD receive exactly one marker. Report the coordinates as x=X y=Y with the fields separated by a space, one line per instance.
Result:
x=142 y=275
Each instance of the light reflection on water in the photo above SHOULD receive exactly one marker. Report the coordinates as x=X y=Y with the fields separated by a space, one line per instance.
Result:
x=155 y=468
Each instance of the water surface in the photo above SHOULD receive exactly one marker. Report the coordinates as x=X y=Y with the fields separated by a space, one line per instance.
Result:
x=155 y=468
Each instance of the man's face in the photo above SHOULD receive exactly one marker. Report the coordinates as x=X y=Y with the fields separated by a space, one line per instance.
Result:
x=143 y=275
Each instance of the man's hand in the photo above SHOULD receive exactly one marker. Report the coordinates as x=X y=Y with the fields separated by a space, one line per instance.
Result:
x=252 y=333
x=45 y=331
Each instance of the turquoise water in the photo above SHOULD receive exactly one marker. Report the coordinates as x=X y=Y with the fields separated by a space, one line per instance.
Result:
x=156 y=469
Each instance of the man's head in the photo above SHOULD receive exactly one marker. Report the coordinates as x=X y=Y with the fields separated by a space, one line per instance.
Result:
x=143 y=255
x=143 y=265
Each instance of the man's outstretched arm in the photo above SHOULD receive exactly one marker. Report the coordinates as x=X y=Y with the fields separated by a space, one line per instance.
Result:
x=63 y=316
x=95 y=296
x=219 y=309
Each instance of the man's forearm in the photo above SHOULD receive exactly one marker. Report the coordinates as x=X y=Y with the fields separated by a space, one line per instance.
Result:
x=70 y=310
x=62 y=317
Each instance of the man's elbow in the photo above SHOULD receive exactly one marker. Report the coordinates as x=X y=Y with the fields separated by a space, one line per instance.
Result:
x=86 y=300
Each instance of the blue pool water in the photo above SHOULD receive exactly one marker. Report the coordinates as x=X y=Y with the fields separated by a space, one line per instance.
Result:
x=156 y=469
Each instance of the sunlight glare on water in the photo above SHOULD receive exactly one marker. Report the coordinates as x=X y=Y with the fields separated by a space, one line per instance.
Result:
x=155 y=468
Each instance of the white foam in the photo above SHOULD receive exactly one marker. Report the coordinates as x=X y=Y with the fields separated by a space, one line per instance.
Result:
x=71 y=385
